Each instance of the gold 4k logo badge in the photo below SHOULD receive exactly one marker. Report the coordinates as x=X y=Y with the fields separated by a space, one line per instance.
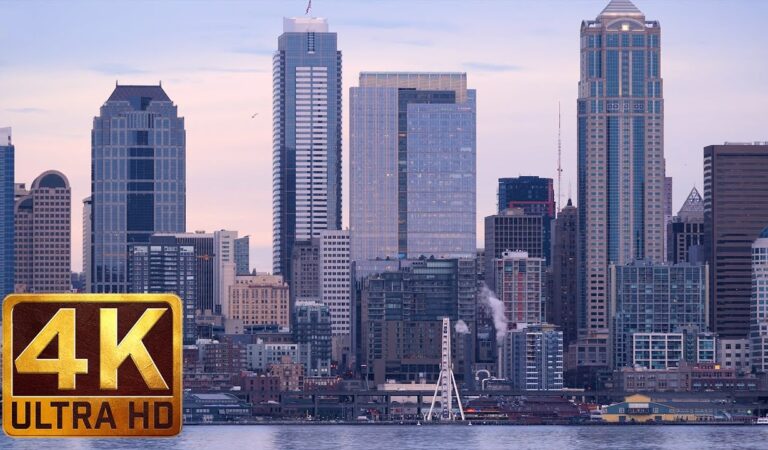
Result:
x=92 y=365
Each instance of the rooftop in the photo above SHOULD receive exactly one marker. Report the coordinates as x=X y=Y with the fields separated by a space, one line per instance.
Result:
x=128 y=92
x=619 y=8
x=305 y=25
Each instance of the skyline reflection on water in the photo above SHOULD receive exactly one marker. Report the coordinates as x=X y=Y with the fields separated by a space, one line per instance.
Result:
x=372 y=437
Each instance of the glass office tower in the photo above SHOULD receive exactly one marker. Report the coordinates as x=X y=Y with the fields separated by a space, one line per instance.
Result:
x=412 y=166
x=7 y=257
x=620 y=151
x=138 y=179
x=306 y=165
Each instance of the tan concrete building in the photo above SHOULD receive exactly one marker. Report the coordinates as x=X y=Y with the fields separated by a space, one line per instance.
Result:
x=260 y=300
x=43 y=234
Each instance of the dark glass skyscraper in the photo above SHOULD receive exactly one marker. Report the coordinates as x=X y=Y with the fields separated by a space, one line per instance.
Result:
x=735 y=213
x=533 y=195
x=7 y=258
x=306 y=165
x=138 y=179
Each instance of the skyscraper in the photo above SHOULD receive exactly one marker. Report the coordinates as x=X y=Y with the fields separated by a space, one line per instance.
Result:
x=138 y=179
x=412 y=167
x=564 y=273
x=7 y=258
x=511 y=230
x=87 y=248
x=242 y=255
x=306 y=166
x=44 y=235
x=535 y=196
x=205 y=260
x=685 y=233
x=758 y=327
x=224 y=268
x=520 y=286
x=620 y=150
x=735 y=212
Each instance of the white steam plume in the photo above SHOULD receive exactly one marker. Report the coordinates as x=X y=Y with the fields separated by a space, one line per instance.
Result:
x=497 y=310
x=461 y=327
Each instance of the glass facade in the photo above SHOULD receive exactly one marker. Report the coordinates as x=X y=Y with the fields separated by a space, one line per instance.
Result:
x=620 y=152
x=7 y=257
x=534 y=195
x=758 y=330
x=654 y=298
x=412 y=166
x=306 y=165
x=138 y=179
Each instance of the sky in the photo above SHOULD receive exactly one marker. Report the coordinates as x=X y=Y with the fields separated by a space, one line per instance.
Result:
x=59 y=61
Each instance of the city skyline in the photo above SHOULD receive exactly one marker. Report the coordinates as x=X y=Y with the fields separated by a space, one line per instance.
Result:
x=238 y=52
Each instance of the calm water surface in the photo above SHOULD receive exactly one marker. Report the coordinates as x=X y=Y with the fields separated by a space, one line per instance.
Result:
x=371 y=437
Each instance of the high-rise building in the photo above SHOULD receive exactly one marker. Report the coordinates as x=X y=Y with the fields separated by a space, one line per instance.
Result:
x=306 y=166
x=535 y=196
x=224 y=268
x=335 y=279
x=138 y=179
x=520 y=286
x=685 y=232
x=305 y=271
x=621 y=177
x=511 y=230
x=735 y=212
x=667 y=211
x=243 y=255
x=564 y=274
x=44 y=235
x=402 y=313
x=202 y=243
x=87 y=247
x=758 y=329
x=7 y=258
x=412 y=167
x=163 y=266
x=313 y=329
x=259 y=300
x=649 y=297
x=532 y=358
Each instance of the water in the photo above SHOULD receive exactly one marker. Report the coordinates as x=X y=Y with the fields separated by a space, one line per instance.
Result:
x=373 y=437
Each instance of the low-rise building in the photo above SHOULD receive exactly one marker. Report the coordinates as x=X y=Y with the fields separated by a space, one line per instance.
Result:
x=262 y=355
x=260 y=300
x=290 y=374
x=214 y=408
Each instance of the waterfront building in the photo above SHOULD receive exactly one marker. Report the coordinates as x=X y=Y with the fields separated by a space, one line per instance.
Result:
x=43 y=235
x=735 y=354
x=535 y=196
x=242 y=255
x=758 y=330
x=520 y=287
x=214 y=408
x=655 y=298
x=621 y=175
x=164 y=266
x=313 y=330
x=532 y=358
x=564 y=273
x=687 y=377
x=7 y=228
x=306 y=165
x=259 y=300
x=401 y=319
x=138 y=179
x=412 y=167
x=685 y=232
x=290 y=374
x=511 y=230
x=735 y=212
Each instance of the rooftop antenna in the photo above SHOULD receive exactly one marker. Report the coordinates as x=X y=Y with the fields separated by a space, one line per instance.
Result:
x=309 y=8
x=559 y=161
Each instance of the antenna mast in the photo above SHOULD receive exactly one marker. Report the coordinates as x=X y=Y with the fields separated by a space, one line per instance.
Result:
x=559 y=161
x=309 y=8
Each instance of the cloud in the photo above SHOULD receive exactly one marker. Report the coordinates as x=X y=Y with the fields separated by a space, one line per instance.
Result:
x=116 y=69
x=26 y=110
x=491 y=67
